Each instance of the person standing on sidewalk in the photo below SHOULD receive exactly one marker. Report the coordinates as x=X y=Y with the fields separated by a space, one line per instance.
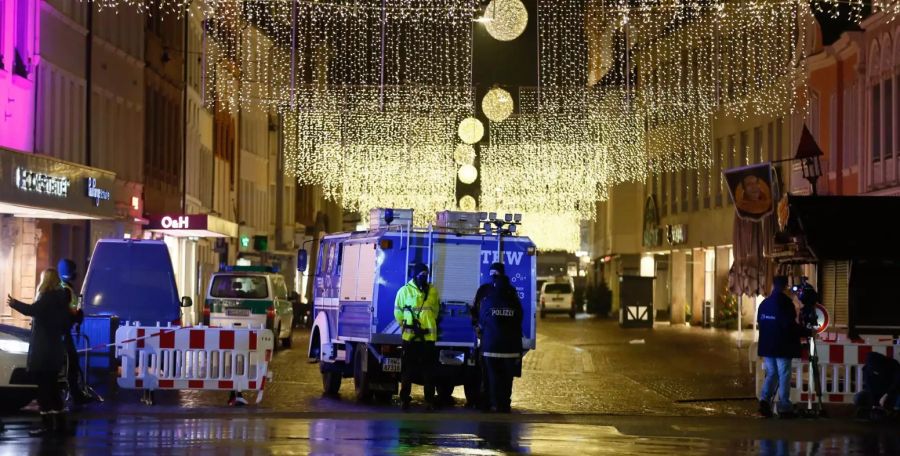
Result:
x=779 y=343
x=68 y=272
x=50 y=320
x=500 y=320
x=416 y=308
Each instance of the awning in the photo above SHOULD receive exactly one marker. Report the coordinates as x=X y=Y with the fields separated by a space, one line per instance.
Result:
x=845 y=227
x=192 y=225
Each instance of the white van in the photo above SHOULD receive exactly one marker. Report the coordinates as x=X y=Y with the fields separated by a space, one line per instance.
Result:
x=558 y=296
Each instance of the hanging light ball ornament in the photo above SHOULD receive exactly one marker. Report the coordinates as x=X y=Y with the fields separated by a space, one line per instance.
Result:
x=467 y=174
x=470 y=130
x=464 y=154
x=505 y=20
x=497 y=104
x=467 y=203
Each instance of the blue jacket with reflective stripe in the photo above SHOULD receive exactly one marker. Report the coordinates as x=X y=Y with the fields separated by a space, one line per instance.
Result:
x=500 y=318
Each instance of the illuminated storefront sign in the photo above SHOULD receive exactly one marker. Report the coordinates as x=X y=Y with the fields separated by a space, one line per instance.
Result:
x=97 y=194
x=32 y=181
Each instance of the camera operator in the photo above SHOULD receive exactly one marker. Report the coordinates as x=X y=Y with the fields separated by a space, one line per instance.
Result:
x=416 y=308
x=779 y=343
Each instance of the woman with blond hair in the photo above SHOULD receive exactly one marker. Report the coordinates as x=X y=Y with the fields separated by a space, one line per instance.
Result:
x=50 y=319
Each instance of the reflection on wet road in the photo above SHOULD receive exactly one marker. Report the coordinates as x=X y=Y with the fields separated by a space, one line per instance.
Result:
x=432 y=434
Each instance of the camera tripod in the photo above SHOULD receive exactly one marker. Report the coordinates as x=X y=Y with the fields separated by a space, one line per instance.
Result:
x=814 y=408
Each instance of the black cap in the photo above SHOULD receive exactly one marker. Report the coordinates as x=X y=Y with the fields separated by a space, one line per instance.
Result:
x=779 y=282
x=419 y=268
x=498 y=267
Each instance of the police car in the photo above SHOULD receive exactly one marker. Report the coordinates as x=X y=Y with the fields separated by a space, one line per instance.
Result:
x=16 y=389
x=245 y=296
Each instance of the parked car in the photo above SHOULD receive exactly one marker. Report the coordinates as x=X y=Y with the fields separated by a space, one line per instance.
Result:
x=558 y=296
x=16 y=386
x=245 y=296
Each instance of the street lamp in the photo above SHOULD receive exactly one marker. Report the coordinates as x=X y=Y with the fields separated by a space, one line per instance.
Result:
x=808 y=153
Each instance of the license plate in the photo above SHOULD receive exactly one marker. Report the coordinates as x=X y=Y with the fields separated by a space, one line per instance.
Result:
x=391 y=365
x=557 y=299
x=237 y=312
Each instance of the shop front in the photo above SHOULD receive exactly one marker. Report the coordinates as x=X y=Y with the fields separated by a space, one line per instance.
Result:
x=183 y=233
x=49 y=210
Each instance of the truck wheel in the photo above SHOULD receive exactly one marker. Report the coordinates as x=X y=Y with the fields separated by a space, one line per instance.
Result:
x=360 y=376
x=277 y=333
x=331 y=381
x=572 y=313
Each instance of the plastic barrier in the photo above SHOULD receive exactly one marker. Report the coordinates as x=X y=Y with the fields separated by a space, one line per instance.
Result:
x=197 y=357
x=841 y=362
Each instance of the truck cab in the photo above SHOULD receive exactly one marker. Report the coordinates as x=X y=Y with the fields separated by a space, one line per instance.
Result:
x=357 y=277
x=245 y=296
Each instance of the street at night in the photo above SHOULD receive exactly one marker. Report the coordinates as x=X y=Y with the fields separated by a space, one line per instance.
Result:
x=593 y=388
x=361 y=227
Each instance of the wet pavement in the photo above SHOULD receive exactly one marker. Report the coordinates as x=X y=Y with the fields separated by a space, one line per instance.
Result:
x=590 y=388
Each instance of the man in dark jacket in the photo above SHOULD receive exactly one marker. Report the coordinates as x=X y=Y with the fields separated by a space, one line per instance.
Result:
x=475 y=387
x=881 y=386
x=779 y=343
x=68 y=272
x=500 y=321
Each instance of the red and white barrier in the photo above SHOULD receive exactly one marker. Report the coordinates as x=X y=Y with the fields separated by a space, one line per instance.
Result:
x=841 y=361
x=198 y=357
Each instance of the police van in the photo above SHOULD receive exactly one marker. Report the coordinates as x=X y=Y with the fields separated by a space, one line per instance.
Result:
x=245 y=296
x=357 y=276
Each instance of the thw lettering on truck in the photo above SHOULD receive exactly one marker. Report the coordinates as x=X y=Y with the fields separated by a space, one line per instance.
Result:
x=512 y=258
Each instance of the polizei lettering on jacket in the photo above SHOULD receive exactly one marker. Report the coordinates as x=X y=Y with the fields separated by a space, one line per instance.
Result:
x=510 y=258
x=503 y=313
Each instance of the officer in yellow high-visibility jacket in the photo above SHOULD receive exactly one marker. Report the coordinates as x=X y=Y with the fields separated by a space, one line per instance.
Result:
x=416 y=308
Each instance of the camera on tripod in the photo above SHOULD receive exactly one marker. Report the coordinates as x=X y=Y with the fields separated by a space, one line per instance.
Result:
x=808 y=297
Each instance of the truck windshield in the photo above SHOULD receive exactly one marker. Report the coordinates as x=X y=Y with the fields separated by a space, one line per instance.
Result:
x=558 y=288
x=240 y=287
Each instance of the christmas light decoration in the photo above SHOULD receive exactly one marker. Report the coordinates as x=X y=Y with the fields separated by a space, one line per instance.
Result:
x=468 y=204
x=471 y=130
x=553 y=231
x=464 y=154
x=505 y=20
x=467 y=174
x=497 y=104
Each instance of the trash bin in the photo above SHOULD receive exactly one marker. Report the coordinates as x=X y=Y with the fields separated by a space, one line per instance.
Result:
x=636 y=302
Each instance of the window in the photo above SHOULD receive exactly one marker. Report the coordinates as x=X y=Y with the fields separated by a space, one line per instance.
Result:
x=240 y=287
x=22 y=55
x=850 y=119
x=732 y=152
x=757 y=145
x=832 y=133
x=876 y=123
x=770 y=141
x=887 y=119
x=716 y=177
x=743 y=159
x=779 y=139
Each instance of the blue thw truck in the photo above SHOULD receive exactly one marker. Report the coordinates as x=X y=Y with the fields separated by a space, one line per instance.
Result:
x=356 y=279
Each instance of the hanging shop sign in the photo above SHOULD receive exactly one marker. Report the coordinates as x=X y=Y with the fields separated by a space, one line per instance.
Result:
x=38 y=186
x=751 y=190
x=192 y=225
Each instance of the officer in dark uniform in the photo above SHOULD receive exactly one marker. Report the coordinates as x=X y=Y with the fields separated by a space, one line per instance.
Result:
x=500 y=323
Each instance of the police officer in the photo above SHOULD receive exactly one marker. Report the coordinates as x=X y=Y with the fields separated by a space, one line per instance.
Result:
x=415 y=309
x=500 y=321
x=779 y=342
x=68 y=272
